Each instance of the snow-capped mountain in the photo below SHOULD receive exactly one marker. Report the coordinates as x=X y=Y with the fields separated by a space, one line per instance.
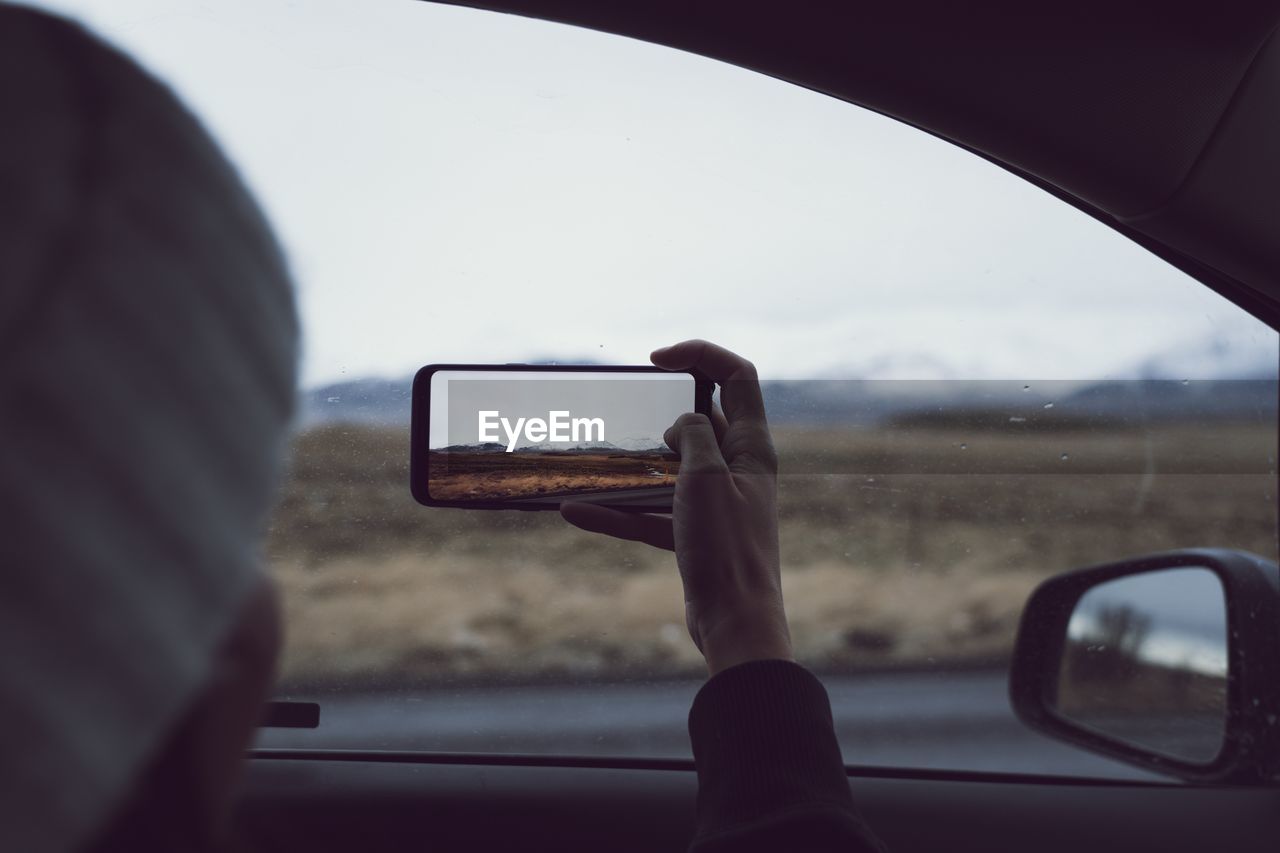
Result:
x=649 y=446
x=557 y=446
x=565 y=446
x=1216 y=357
x=638 y=442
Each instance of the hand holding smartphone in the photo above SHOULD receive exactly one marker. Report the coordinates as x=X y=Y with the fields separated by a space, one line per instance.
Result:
x=529 y=437
x=724 y=524
x=503 y=437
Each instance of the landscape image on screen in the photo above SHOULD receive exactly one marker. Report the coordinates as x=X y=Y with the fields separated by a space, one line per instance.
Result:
x=541 y=435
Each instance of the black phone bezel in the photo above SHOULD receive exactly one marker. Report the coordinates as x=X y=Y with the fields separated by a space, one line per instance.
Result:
x=420 y=419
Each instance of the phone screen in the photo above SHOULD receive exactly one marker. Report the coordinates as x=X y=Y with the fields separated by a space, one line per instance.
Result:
x=529 y=438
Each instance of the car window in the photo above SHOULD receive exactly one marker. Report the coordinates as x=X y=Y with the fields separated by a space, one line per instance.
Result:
x=973 y=386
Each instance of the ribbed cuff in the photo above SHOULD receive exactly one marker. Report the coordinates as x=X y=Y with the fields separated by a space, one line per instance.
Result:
x=766 y=752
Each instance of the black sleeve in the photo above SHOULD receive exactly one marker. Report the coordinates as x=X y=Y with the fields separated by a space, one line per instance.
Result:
x=770 y=775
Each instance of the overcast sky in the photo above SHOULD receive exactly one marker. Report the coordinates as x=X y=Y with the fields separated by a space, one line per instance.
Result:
x=457 y=185
x=1186 y=608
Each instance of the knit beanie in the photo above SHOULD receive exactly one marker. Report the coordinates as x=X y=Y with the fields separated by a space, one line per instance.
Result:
x=148 y=344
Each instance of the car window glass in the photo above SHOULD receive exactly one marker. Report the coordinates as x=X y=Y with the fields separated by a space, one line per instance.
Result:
x=973 y=385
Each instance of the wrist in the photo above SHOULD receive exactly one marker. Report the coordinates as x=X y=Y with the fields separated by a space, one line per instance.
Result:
x=741 y=637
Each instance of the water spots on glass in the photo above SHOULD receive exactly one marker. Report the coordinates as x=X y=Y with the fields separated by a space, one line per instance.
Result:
x=1048 y=405
x=1064 y=457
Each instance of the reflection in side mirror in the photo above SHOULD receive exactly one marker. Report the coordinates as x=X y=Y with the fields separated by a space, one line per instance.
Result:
x=1170 y=662
x=1145 y=662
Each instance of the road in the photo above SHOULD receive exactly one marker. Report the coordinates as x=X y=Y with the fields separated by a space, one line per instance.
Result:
x=953 y=720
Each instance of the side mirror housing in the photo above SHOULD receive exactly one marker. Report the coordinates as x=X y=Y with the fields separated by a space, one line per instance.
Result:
x=1170 y=662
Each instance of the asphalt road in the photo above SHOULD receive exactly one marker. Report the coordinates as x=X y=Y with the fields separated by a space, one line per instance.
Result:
x=954 y=720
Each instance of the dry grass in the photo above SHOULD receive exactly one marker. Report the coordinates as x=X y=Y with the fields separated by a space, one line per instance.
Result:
x=469 y=476
x=897 y=550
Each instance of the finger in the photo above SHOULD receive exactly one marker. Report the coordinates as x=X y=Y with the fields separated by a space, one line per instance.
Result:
x=718 y=422
x=751 y=451
x=652 y=530
x=739 y=385
x=694 y=439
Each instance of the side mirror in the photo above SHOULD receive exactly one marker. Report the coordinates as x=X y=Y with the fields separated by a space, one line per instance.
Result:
x=1170 y=662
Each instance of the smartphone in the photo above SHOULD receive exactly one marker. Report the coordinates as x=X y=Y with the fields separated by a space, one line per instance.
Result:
x=528 y=437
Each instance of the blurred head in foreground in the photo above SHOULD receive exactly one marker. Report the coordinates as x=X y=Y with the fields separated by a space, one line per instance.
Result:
x=147 y=365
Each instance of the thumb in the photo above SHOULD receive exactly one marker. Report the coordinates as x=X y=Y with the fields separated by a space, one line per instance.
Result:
x=694 y=439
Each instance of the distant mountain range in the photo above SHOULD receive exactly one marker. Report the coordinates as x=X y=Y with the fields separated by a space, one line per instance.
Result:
x=1228 y=381
x=594 y=448
x=1215 y=357
x=830 y=402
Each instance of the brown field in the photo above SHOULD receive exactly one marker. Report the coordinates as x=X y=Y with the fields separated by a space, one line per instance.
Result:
x=459 y=475
x=900 y=548
x=1118 y=686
